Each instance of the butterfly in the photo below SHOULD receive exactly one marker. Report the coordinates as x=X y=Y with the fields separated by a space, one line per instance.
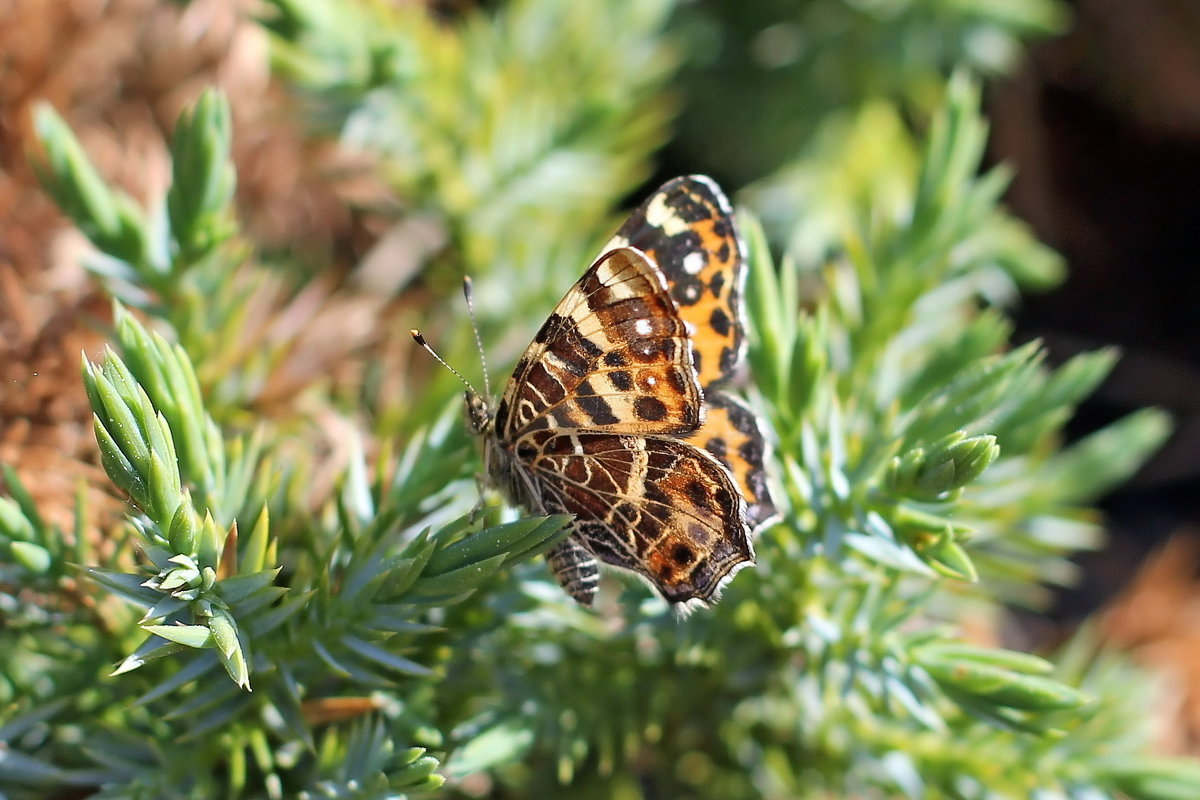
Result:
x=614 y=414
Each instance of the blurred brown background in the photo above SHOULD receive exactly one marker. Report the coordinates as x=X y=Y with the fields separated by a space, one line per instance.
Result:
x=1103 y=125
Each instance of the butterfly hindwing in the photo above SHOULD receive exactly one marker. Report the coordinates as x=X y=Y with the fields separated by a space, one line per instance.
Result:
x=656 y=506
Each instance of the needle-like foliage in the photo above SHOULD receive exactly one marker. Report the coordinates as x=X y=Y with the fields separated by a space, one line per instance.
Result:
x=242 y=635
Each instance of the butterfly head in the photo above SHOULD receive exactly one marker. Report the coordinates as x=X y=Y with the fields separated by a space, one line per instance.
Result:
x=479 y=414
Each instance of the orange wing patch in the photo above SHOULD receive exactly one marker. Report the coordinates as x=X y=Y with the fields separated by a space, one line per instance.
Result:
x=731 y=434
x=687 y=228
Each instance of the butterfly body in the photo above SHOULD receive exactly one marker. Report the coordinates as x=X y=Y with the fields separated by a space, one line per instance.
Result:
x=612 y=414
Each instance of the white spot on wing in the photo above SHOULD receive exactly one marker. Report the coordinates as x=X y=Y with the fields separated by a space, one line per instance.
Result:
x=694 y=262
x=660 y=216
x=643 y=327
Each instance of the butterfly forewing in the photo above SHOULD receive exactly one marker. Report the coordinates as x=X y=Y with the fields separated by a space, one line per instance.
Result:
x=613 y=355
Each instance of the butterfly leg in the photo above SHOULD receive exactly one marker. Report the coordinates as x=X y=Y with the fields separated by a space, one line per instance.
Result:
x=481 y=486
x=576 y=569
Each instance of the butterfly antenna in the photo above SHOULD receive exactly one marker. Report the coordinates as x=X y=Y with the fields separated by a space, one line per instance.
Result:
x=420 y=339
x=468 y=294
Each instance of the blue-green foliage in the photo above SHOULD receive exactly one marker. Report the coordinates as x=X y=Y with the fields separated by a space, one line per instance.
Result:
x=400 y=636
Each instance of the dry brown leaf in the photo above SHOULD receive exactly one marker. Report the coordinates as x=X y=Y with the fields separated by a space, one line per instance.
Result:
x=1157 y=619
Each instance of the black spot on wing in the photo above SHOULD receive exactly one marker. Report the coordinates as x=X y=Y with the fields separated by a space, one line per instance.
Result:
x=682 y=554
x=718 y=280
x=598 y=410
x=740 y=417
x=650 y=409
x=672 y=250
x=621 y=380
x=752 y=450
x=728 y=360
x=687 y=289
x=720 y=322
x=687 y=204
x=723 y=226
x=697 y=493
x=587 y=345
